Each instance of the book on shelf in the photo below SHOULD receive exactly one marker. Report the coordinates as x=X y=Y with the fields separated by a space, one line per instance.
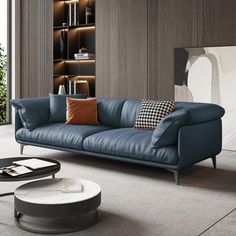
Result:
x=84 y=56
x=73 y=13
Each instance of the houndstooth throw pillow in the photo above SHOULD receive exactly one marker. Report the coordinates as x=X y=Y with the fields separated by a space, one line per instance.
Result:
x=151 y=113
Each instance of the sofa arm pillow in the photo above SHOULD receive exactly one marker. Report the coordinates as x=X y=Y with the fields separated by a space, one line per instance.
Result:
x=33 y=112
x=166 y=132
x=58 y=106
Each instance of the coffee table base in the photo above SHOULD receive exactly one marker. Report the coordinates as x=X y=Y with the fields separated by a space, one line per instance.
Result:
x=56 y=225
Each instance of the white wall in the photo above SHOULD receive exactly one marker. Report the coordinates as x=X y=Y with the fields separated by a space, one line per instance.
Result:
x=16 y=48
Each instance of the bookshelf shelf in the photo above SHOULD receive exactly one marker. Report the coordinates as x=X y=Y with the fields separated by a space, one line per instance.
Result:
x=82 y=26
x=79 y=76
x=69 y=39
x=75 y=60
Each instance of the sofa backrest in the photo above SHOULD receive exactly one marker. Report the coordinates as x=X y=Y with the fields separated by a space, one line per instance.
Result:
x=118 y=112
x=122 y=113
x=129 y=112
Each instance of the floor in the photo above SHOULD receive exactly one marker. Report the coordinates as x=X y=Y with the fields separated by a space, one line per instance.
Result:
x=139 y=200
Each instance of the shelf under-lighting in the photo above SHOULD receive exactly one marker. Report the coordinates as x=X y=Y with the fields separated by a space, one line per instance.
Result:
x=71 y=1
x=80 y=61
x=85 y=28
x=78 y=76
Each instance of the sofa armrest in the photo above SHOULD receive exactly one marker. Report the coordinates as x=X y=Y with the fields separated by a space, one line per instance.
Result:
x=201 y=112
x=199 y=142
x=32 y=112
x=186 y=113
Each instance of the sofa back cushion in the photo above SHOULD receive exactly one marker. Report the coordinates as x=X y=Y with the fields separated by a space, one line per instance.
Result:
x=129 y=112
x=109 y=111
x=58 y=106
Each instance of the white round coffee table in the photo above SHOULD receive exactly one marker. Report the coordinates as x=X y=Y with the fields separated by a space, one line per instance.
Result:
x=57 y=205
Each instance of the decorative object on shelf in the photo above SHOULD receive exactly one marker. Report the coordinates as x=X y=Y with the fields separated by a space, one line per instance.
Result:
x=84 y=55
x=61 y=90
x=63 y=43
x=70 y=87
x=64 y=24
x=82 y=87
x=89 y=14
x=73 y=13
x=83 y=50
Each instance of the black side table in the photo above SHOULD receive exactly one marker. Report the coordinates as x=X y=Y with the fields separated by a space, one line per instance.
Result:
x=35 y=174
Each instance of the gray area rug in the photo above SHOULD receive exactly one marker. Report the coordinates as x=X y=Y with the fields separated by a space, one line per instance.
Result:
x=139 y=200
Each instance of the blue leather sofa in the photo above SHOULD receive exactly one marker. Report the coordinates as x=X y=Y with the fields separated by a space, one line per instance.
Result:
x=190 y=134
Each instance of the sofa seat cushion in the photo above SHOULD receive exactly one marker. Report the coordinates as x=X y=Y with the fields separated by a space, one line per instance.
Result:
x=59 y=134
x=131 y=143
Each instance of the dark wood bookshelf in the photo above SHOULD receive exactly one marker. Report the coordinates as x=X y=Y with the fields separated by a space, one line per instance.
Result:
x=68 y=40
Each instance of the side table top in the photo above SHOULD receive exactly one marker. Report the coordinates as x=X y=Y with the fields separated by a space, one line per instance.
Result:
x=50 y=191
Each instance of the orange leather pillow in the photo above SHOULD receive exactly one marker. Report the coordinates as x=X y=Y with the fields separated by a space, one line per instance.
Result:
x=81 y=111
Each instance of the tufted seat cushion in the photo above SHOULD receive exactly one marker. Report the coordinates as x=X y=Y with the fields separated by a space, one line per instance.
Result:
x=59 y=134
x=132 y=143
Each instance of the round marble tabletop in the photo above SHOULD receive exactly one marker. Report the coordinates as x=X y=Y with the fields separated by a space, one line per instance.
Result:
x=57 y=198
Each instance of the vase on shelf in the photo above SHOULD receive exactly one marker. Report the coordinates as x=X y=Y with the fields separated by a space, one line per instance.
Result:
x=61 y=90
x=63 y=44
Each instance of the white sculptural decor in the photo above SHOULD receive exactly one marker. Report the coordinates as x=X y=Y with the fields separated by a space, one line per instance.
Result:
x=208 y=74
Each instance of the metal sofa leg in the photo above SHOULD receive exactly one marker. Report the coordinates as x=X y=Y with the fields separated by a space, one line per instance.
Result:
x=214 y=161
x=21 y=149
x=176 y=175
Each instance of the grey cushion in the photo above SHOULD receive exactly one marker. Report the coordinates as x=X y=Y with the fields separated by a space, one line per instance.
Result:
x=131 y=143
x=33 y=112
x=58 y=106
x=59 y=134
x=166 y=132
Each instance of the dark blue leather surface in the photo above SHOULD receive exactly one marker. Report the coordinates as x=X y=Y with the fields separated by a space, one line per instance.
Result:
x=201 y=112
x=59 y=134
x=132 y=143
x=166 y=132
x=129 y=112
x=109 y=111
x=197 y=125
x=18 y=123
x=33 y=112
x=58 y=106
x=199 y=142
